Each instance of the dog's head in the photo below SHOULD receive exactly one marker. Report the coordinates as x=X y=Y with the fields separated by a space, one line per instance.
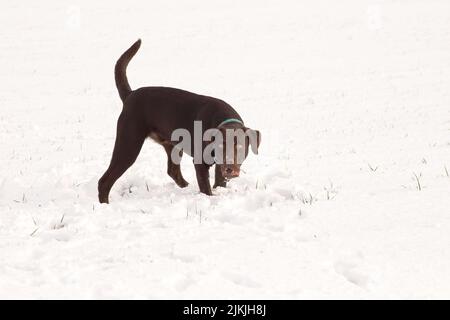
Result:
x=234 y=148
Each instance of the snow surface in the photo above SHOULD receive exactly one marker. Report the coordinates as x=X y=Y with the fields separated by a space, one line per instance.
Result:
x=352 y=98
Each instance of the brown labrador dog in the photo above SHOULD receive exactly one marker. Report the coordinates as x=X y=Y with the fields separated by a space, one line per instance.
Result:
x=156 y=112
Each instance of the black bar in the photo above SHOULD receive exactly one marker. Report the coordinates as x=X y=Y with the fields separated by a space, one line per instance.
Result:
x=225 y=309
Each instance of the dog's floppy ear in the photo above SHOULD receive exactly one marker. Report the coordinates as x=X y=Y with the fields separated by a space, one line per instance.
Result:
x=253 y=139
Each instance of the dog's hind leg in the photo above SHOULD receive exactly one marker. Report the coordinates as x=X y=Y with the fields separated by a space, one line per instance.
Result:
x=129 y=141
x=173 y=169
x=219 y=180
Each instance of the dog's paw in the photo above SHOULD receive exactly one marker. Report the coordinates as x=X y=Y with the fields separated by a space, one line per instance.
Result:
x=103 y=199
x=222 y=185
x=183 y=184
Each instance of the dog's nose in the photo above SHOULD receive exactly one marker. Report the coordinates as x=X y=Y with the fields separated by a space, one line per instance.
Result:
x=231 y=173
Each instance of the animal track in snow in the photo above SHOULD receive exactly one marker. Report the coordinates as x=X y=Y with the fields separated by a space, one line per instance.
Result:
x=350 y=268
x=240 y=280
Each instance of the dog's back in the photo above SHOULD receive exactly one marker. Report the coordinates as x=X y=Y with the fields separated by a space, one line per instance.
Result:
x=165 y=109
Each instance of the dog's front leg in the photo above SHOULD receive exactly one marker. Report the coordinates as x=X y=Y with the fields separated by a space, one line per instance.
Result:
x=220 y=181
x=202 y=172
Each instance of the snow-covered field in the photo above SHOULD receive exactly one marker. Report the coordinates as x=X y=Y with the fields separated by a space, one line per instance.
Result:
x=353 y=101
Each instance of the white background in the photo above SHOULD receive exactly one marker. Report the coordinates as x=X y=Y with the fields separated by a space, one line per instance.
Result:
x=352 y=99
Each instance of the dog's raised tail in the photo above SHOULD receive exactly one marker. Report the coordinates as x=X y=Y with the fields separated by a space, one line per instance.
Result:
x=120 y=71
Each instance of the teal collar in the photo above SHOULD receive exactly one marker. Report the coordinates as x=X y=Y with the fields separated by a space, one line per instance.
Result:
x=230 y=121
